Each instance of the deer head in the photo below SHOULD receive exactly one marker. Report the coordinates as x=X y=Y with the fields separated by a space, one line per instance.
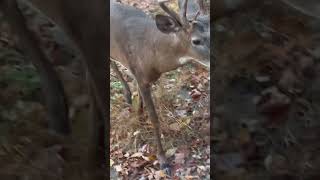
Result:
x=193 y=32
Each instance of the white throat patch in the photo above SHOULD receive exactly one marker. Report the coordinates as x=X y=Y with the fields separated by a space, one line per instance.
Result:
x=184 y=60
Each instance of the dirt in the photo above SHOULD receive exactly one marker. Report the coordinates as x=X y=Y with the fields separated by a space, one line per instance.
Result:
x=266 y=80
x=27 y=149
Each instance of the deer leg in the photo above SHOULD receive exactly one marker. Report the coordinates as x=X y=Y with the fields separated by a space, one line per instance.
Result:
x=51 y=85
x=126 y=90
x=147 y=98
x=140 y=111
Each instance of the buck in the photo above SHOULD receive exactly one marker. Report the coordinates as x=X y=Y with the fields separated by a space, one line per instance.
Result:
x=202 y=20
x=149 y=47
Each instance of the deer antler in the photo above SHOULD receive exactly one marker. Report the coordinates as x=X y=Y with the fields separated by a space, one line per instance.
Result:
x=184 y=12
x=182 y=20
x=196 y=16
x=202 y=8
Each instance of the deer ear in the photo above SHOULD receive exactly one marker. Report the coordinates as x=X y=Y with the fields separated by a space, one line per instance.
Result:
x=167 y=24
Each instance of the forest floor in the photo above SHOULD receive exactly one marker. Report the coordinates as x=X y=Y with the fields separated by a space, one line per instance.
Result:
x=266 y=95
x=27 y=149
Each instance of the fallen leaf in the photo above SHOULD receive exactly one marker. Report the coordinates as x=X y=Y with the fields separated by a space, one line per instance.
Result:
x=138 y=164
x=179 y=158
x=145 y=148
x=136 y=133
x=195 y=94
x=187 y=120
x=159 y=174
x=118 y=168
x=181 y=113
x=171 y=152
x=127 y=155
x=192 y=177
x=175 y=126
x=137 y=154
x=155 y=162
x=150 y=158
x=203 y=168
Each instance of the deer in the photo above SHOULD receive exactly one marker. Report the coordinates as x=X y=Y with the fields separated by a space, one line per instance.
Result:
x=149 y=47
x=194 y=7
x=85 y=23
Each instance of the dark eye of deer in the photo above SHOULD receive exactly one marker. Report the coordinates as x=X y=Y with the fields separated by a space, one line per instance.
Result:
x=196 y=41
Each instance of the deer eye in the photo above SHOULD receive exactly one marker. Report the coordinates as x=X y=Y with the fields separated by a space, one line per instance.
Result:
x=196 y=41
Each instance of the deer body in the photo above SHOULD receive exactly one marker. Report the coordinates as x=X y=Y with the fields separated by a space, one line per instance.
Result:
x=137 y=43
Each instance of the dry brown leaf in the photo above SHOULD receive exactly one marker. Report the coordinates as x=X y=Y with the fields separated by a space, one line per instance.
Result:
x=159 y=174
x=111 y=162
x=179 y=158
x=118 y=168
x=137 y=154
x=150 y=158
x=171 y=152
x=175 y=126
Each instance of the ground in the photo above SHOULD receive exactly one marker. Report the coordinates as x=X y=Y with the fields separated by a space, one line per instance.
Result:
x=27 y=149
x=266 y=86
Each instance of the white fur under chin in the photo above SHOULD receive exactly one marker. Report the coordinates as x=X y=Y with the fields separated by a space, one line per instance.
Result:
x=186 y=59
